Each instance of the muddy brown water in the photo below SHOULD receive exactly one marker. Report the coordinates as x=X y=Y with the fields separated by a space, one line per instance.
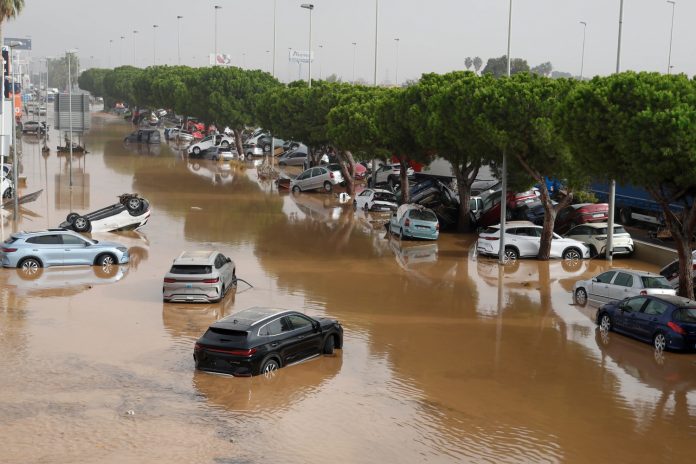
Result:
x=441 y=363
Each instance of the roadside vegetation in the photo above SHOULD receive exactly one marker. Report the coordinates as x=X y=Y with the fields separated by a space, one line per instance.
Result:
x=637 y=128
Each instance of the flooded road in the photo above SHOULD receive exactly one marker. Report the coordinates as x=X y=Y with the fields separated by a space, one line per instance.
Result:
x=440 y=363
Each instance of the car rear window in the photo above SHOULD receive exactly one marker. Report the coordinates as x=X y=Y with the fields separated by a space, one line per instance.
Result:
x=655 y=282
x=383 y=196
x=617 y=230
x=422 y=215
x=229 y=334
x=190 y=269
x=686 y=315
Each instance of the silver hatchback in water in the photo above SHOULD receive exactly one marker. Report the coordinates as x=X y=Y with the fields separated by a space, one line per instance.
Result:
x=199 y=277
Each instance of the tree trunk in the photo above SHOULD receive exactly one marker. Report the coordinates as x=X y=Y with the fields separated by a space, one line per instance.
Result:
x=549 y=220
x=238 y=141
x=405 y=193
x=347 y=169
x=465 y=175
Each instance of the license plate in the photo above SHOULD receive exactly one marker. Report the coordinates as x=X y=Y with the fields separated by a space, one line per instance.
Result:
x=598 y=215
x=189 y=285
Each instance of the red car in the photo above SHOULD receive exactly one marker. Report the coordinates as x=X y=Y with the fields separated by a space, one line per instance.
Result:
x=516 y=207
x=582 y=213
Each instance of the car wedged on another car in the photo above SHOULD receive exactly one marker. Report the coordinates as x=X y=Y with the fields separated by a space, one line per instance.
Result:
x=414 y=221
x=130 y=213
x=262 y=340
x=199 y=277
x=375 y=200
x=58 y=247
x=523 y=240
x=668 y=322
x=617 y=284
x=581 y=213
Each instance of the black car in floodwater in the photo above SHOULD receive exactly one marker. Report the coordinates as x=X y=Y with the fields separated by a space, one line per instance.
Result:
x=260 y=340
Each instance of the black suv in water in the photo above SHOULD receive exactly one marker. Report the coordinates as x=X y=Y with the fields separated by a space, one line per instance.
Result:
x=261 y=340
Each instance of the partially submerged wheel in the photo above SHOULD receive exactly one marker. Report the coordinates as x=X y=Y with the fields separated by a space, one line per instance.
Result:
x=71 y=217
x=8 y=193
x=572 y=254
x=29 y=269
x=328 y=187
x=269 y=367
x=82 y=224
x=196 y=151
x=106 y=260
x=329 y=345
x=605 y=323
x=581 y=296
x=511 y=254
x=660 y=341
x=296 y=189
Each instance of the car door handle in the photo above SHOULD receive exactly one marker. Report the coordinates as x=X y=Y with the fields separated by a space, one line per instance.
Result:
x=274 y=344
x=300 y=337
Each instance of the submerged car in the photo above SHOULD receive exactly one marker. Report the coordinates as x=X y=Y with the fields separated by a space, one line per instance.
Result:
x=130 y=213
x=617 y=284
x=6 y=187
x=594 y=235
x=414 y=221
x=143 y=136
x=262 y=340
x=217 y=140
x=523 y=240
x=375 y=200
x=58 y=247
x=319 y=177
x=34 y=127
x=199 y=277
x=668 y=322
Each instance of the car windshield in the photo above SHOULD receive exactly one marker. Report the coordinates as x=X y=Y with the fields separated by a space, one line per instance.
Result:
x=617 y=230
x=422 y=215
x=655 y=282
x=384 y=196
x=190 y=269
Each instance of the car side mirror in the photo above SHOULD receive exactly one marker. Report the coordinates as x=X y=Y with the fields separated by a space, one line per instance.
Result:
x=316 y=326
x=229 y=260
x=594 y=279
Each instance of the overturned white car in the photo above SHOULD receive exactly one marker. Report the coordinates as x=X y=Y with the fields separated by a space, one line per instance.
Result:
x=130 y=213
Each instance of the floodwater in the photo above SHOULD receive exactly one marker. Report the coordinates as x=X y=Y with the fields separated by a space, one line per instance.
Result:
x=441 y=363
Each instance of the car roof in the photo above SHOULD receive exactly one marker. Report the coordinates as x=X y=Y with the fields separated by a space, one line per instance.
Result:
x=34 y=233
x=633 y=271
x=597 y=225
x=382 y=191
x=247 y=318
x=196 y=257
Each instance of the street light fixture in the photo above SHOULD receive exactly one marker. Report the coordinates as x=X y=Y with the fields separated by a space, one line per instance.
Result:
x=135 y=36
x=154 y=44
x=354 y=48
x=178 y=39
x=310 y=7
x=582 y=57
x=671 y=32
x=397 y=40
x=217 y=7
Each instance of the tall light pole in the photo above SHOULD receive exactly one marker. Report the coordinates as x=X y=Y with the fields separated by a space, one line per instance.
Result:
x=15 y=155
x=178 y=39
x=120 y=52
x=111 y=42
x=671 y=31
x=374 y=77
x=70 y=125
x=135 y=36
x=310 y=7
x=354 y=48
x=217 y=7
x=154 y=44
x=321 y=57
x=582 y=56
x=243 y=60
x=275 y=5
x=397 y=40
x=503 y=196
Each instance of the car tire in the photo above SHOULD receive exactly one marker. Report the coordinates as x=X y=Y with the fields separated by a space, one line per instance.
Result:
x=511 y=254
x=8 y=193
x=328 y=188
x=366 y=207
x=593 y=251
x=660 y=341
x=329 y=345
x=605 y=322
x=266 y=148
x=196 y=151
x=29 y=269
x=269 y=366
x=581 y=296
x=571 y=254
x=106 y=259
x=134 y=205
x=71 y=218
x=82 y=224
x=296 y=189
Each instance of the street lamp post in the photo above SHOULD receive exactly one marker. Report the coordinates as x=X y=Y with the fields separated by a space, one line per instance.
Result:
x=582 y=56
x=15 y=155
x=217 y=7
x=671 y=31
x=396 y=78
x=70 y=125
x=178 y=39
x=135 y=36
x=120 y=52
x=374 y=77
x=321 y=64
x=154 y=44
x=310 y=7
x=503 y=197
x=354 y=48
x=275 y=5
x=111 y=42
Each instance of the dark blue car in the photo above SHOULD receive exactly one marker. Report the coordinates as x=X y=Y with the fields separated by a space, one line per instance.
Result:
x=666 y=321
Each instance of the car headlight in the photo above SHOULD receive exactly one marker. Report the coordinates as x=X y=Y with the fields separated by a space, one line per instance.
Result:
x=122 y=249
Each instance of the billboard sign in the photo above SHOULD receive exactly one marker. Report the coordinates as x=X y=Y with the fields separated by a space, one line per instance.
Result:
x=300 y=56
x=220 y=59
x=25 y=44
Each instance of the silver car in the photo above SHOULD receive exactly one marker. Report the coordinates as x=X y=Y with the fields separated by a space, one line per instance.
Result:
x=617 y=284
x=320 y=177
x=199 y=277
x=58 y=247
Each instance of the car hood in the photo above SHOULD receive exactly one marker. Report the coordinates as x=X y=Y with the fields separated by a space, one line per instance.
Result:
x=391 y=204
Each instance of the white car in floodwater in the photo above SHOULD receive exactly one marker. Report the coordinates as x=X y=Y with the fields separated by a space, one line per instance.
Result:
x=130 y=213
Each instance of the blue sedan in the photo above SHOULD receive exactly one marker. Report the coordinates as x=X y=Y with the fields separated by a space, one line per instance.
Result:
x=666 y=321
x=414 y=221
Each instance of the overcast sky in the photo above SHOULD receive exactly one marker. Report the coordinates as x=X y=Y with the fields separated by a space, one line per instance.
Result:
x=435 y=35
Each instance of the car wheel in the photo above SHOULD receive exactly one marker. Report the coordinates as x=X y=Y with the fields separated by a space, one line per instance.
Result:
x=7 y=193
x=134 y=204
x=30 y=267
x=593 y=251
x=296 y=189
x=196 y=151
x=511 y=254
x=572 y=254
x=269 y=367
x=328 y=187
x=105 y=260
x=366 y=207
x=605 y=323
x=581 y=296
x=329 y=345
x=71 y=217
x=82 y=224
x=660 y=341
x=266 y=148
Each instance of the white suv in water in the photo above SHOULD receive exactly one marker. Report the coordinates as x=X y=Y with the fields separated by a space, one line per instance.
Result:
x=199 y=277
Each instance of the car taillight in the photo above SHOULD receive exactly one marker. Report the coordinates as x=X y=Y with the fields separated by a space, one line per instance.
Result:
x=643 y=292
x=407 y=222
x=8 y=250
x=491 y=238
x=437 y=226
x=233 y=352
x=169 y=280
x=211 y=281
x=677 y=328
x=331 y=174
x=197 y=347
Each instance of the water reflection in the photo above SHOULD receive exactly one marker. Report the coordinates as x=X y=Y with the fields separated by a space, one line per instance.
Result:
x=215 y=172
x=190 y=321
x=62 y=281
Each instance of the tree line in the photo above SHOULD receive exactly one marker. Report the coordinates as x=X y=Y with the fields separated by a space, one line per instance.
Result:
x=637 y=128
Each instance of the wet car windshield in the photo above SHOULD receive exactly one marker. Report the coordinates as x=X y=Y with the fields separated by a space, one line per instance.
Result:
x=190 y=269
x=655 y=282
x=422 y=215
x=383 y=196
